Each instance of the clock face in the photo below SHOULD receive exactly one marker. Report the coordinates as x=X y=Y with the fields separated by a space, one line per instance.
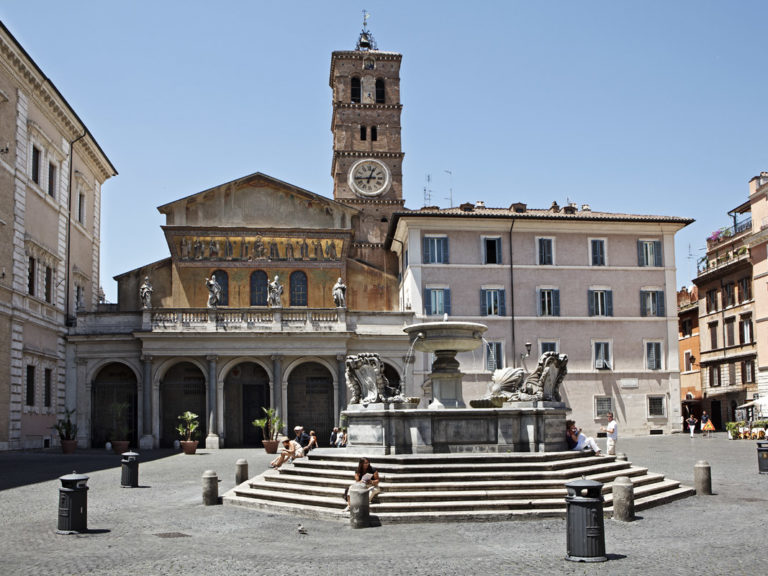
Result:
x=369 y=178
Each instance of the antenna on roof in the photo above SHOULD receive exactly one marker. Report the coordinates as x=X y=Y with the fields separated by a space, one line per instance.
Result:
x=428 y=191
x=450 y=188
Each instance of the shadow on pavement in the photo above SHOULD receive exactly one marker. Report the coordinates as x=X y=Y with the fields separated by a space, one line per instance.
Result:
x=30 y=467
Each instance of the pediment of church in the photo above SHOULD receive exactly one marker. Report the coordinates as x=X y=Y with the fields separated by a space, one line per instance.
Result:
x=258 y=201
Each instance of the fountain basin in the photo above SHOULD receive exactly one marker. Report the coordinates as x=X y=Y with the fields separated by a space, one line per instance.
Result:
x=447 y=335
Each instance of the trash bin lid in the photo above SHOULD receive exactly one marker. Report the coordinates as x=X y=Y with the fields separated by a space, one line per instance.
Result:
x=130 y=454
x=582 y=483
x=74 y=477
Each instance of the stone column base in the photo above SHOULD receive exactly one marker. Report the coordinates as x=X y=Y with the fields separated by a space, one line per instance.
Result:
x=147 y=442
x=212 y=442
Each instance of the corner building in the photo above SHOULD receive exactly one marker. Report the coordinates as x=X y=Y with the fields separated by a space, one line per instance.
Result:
x=227 y=363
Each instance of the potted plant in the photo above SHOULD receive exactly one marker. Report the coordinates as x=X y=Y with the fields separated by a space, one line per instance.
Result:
x=67 y=432
x=271 y=425
x=187 y=428
x=120 y=433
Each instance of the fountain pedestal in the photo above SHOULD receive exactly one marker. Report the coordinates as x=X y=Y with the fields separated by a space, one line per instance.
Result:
x=403 y=429
x=446 y=381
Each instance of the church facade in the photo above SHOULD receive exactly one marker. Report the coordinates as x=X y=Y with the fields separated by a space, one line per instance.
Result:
x=139 y=364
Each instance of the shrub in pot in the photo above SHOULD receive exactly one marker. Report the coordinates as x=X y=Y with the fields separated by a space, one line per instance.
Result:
x=271 y=425
x=187 y=429
x=67 y=432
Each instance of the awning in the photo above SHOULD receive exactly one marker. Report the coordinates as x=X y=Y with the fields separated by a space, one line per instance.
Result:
x=760 y=402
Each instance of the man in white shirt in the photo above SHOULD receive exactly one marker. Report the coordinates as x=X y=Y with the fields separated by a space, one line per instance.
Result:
x=612 y=430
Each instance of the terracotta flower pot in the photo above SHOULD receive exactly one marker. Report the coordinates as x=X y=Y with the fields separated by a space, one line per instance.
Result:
x=189 y=446
x=270 y=446
x=68 y=446
x=120 y=446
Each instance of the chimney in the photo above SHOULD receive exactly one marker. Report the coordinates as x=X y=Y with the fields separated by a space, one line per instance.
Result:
x=479 y=204
x=586 y=208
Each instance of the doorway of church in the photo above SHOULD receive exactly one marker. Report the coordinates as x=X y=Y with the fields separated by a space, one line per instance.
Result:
x=246 y=392
x=310 y=400
x=113 y=405
x=182 y=389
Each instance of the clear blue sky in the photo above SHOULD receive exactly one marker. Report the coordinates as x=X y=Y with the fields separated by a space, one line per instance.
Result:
x=650 y=107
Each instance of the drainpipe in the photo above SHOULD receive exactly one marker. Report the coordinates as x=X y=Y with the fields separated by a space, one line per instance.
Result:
x=512 y=294
x=69 y=318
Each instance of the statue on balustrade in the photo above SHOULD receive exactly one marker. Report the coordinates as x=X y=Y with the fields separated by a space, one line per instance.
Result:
x=366 y=381
x=145 y=293
x=274 y=298
x=214 y=292
x=340 y=294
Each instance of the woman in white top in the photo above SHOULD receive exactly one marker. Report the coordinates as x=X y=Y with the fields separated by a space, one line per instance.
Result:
x=291 y=451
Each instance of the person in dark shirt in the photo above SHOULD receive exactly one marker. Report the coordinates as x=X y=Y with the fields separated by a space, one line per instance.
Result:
x=301 y=437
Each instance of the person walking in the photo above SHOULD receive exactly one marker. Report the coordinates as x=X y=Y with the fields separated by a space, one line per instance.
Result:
x=691 y=422
x=612 y=432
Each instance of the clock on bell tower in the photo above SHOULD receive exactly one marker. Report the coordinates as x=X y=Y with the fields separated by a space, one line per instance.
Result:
x=367 y=156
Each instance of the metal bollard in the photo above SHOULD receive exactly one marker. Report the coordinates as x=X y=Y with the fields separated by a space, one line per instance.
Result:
x=241 y=471
x=702 y=478
x=210 y=488
x=623 y=499
x=73 y=504
x=129 y=477
x=359 y=515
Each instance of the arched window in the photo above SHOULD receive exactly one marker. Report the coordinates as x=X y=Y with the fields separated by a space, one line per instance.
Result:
x=259 y=288
x=298 y=289
x=223 y=280
x=380 y=93
x=355 y=89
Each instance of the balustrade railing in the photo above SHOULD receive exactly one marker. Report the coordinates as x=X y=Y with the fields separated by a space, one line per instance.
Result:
x=273 y=319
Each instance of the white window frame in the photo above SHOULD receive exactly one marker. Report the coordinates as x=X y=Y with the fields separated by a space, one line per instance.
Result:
x=661 y=354
x=651 y=294
x=605 y=252
x=663 y=406
x=542 y=341
x=493 y=290
x=651 y=263
x=598 y=293
x=538 y=255
x=429 y=238
x=428 y=294
x=540 y=291
x=484 y=250
x=610 y=362
x=498 y=344
x=715 y=369
x=746 y=329
x=604 y=412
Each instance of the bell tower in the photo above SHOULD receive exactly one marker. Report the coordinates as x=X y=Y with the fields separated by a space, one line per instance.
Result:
x=367 y=154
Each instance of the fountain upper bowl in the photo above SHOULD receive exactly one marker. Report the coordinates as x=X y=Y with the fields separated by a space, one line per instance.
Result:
x=446 y=335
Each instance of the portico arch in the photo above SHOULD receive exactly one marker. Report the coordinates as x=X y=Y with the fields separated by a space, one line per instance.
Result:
x=182 y=387
x=311 y=390
x=245 y=386
x=114 y=413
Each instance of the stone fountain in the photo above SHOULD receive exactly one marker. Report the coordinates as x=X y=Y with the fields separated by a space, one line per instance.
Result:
x=521 y=413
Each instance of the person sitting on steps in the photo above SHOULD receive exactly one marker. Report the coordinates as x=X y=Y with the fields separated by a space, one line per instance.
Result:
x=291 y=451
x=578 y=440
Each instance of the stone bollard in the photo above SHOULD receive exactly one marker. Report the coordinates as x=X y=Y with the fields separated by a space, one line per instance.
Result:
x=210 y=488
x=702 y=478
x=241 y=471
x=359 y=507
x=623 y=499
x=621 y=456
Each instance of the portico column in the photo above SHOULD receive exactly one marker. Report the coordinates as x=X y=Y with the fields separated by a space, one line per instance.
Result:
x=212 y=440
x=341 y=370
x=146 y=442
x=276 y=386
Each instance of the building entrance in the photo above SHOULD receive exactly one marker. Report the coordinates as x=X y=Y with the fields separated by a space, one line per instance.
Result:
x=113 y=405
x=182 y=389
x=246 y=391
x=310 y=400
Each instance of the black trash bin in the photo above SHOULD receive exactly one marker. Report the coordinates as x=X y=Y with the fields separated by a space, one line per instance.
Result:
x=584 y=516
x=130 y=470
x=762 y=457
x=73 y=504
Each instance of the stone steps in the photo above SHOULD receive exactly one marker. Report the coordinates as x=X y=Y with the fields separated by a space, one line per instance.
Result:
x=436 y=487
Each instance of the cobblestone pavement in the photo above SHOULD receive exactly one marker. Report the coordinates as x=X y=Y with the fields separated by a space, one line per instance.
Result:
x=718 y=534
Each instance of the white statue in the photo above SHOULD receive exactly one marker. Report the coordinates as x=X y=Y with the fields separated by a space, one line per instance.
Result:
x=214 y=292
x=340 y=294
x=145 y=293
x=275 y=293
